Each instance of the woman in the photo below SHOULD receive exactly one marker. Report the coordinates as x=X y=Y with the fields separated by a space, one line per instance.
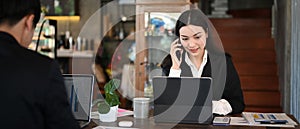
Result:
x=199 y=53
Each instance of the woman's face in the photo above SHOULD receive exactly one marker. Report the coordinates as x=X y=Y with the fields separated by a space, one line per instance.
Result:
x=193 y=39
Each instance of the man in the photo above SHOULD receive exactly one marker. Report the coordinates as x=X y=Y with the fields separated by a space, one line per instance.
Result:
x=32 y=91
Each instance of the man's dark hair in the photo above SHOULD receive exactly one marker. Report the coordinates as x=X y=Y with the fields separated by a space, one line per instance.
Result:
x=12 y=11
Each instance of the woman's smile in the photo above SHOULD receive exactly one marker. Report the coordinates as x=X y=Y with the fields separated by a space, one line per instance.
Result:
x=193 y=50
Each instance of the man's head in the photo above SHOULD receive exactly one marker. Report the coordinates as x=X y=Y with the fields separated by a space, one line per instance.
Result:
x=19 y=18
x=12 y=11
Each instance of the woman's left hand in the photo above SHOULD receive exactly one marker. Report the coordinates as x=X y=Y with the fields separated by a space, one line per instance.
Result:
x=176 y=47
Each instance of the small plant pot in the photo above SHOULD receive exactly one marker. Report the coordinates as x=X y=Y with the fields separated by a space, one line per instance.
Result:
x=111 y=116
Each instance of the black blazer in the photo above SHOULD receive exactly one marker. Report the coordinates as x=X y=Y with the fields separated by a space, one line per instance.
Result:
x=232 y=90
x=32 y=91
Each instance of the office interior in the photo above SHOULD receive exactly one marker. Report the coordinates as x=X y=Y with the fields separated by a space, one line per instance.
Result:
x=261 y=36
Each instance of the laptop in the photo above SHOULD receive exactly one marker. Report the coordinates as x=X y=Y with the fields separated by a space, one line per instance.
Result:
x=182 y=100
x=80 y=91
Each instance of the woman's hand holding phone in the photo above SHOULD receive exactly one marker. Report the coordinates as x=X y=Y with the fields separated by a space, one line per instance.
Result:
x=176 y=54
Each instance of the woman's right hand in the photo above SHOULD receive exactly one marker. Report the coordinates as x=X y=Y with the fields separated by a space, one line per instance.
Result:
x=176 y=47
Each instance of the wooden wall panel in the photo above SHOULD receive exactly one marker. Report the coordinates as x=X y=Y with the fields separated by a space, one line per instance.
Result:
x=249 y=42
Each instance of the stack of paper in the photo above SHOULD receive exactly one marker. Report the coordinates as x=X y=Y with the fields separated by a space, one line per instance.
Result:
x=268 y=119
x=239 y=121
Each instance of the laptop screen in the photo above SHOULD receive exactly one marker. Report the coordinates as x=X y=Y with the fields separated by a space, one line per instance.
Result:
x=182 y=100
x=79 y=90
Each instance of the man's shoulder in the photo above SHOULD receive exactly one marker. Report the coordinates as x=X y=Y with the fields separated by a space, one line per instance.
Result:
x=36 y=58
x=38 y=64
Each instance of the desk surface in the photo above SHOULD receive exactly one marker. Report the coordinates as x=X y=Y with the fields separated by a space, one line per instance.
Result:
x=149 y=124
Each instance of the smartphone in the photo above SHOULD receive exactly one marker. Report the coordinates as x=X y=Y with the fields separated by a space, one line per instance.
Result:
x=178 y=52
x=222 y=121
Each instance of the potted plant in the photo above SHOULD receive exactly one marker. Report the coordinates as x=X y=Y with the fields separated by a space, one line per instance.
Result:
x=108 y=109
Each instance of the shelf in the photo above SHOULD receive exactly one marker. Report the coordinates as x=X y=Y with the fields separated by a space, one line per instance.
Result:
x=64 y=18
x=71 y=53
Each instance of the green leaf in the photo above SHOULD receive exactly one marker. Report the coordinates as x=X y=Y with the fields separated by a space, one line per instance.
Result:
x=111 y=97
x=103 y=107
